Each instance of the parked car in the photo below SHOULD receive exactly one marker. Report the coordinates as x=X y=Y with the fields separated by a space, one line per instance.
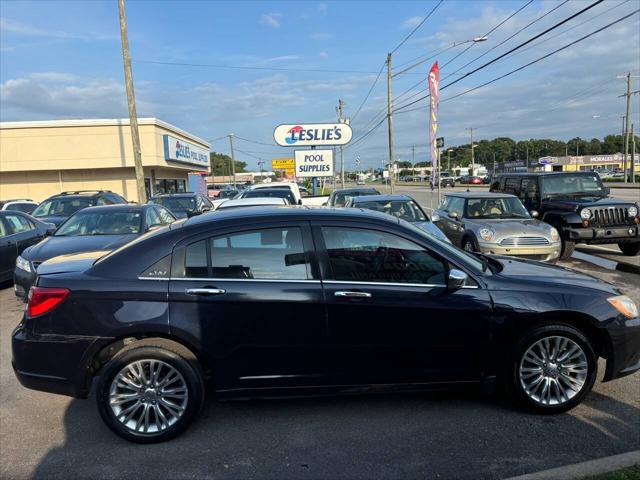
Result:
x=215 y=189
x=339 y=197
x=447 y=182
x=270 y=192
x=399 y=206
x=252 y=202
x=496 y=223
x=470 y=180
x=183 y=205
x=24 y=205
x=57 y=208
x=310 y=301
x=18 y=231
x=295 y=189
x=578 y=205
x=91 y=229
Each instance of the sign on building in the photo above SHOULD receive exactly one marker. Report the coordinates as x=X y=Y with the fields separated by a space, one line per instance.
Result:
x=288 y=165
x=314 y=163
x=298 y=135
x=178 y=150
x=440 y=142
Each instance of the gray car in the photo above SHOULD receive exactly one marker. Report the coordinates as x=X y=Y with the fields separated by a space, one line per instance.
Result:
x=497 y=223
x=401 y=206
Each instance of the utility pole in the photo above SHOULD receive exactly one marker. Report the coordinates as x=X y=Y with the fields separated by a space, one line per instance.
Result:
x=449 y=160
x=131 y=103
x=390 y=122
x=413 y=162
x=625 y=163
x=633 y=156
x=473 y=158
x=233 y=161
x=339 y=110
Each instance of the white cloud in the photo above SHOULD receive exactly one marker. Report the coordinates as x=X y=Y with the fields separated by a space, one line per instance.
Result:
x=284 y=58
x=53 y=77
x=271 y=19
x=9 y=26
x=412 y=22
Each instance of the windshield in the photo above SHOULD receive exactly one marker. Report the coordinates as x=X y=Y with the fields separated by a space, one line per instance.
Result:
x=509 y=207
x=101 y=223
x=571 y=185
x=176 y=204
x=405 y=209
x=62 y=207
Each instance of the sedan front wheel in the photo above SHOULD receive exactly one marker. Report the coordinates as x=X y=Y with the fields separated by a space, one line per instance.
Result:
x=554 y=369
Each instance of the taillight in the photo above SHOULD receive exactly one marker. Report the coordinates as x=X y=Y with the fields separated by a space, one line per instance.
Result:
x=45 y=299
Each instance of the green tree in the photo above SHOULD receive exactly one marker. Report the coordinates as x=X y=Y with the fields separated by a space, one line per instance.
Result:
x=221 y=164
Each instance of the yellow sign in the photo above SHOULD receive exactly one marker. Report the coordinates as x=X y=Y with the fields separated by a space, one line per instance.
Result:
x=283 y=164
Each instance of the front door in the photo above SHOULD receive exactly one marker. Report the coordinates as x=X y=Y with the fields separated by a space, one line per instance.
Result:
x=253 y=298
x=391 y=317
x=8 y=251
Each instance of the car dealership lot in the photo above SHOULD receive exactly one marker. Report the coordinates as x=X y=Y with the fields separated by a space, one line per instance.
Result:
x=434 y=435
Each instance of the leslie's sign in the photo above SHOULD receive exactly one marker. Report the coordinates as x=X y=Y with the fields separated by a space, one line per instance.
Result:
x=312 y=134
x=178 y=150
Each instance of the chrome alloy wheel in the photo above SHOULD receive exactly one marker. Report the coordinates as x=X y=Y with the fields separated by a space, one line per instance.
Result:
x=553 y=370
x=148 y=396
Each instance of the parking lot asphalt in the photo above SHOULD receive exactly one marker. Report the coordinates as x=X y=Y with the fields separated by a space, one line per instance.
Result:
x=464 y=435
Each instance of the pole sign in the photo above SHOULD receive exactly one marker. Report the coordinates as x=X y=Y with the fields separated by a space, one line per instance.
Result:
x=284 y=164
x=440 y=142
x=434 y=90
x=314 y=163
x=311 y=135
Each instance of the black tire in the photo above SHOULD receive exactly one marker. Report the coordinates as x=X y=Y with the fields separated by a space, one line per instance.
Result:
x=629 y=249
x=469 y=244
x=177 y=358
x=515 y=385
x=567 y=249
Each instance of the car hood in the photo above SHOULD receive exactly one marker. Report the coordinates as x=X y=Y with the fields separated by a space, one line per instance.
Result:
x=76 y=262
x=574 y=204
x=512 y=227
x=527 y=271
x=54 y=246
x=431 y=228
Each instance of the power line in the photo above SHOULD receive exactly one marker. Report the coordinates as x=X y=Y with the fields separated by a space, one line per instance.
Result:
x=362 y=137
x=508 y=52
x=490 y=31
x=254 y=141
x=543 y=57
x=239 y=67
x=368 y=93
x=418 y=26
x=510 y=37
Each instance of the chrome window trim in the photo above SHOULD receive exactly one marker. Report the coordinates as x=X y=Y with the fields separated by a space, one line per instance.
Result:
x=390 y=284
x=262 y=280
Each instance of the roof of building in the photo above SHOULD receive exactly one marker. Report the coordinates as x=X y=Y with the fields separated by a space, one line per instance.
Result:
x=100 y=122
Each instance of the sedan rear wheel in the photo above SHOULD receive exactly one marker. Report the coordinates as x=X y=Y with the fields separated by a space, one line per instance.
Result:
x=149 y=394
x=554 y=369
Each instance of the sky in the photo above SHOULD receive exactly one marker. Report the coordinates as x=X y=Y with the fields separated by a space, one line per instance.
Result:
x=62 y=60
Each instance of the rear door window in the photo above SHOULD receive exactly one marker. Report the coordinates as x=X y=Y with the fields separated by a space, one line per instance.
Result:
x=19 y=223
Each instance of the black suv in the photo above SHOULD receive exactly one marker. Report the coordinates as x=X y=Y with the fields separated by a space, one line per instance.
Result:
x=57 y=208
x=578 y=205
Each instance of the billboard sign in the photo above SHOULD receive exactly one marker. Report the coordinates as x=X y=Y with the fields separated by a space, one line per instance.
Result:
x=310 y=135
x=314 y=163
x=178 y=150
x=287 y=165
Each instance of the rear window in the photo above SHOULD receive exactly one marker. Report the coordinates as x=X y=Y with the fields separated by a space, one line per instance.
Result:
x=62 y=206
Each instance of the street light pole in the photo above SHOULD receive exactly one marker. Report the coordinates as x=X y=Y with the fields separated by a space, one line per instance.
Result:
x=131 y=103
x=390 y=120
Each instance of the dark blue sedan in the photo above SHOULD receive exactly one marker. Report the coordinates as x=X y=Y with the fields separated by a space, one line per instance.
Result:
x=310 y=301
x=102 y=228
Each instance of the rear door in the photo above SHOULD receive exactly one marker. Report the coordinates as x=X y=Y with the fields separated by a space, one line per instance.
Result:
x=24 y=230
x=8 y=251
x=253 y=298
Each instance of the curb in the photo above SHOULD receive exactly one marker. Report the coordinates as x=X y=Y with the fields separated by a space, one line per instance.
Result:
x=585 y=469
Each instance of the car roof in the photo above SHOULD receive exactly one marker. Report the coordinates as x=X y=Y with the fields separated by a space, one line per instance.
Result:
x=252 y=201
x=380 y=198
x=183 y=194
x=80 y=193
x=479 y=195
x=119 y=207
x=269 y=213
x=349 y=190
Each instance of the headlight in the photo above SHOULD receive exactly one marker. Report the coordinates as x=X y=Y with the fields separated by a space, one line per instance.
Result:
x=487 y=234
x=555 y=236
x=632 y=212
x=624 y=305
x=585 y=213
x=23 y=264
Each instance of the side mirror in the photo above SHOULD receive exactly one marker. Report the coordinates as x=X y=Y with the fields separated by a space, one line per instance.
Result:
x=607 y=190
x=453 y=215
x=206 y=209
x=534 y=213
x=300 y=202
x=435 y=217
x=51 y=228
x=456 y=279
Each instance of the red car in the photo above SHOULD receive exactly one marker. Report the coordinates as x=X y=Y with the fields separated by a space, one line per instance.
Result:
x=473 y=180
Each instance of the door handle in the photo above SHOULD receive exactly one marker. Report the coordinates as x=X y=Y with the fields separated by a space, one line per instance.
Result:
x=352 y=294
x=204 y=291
